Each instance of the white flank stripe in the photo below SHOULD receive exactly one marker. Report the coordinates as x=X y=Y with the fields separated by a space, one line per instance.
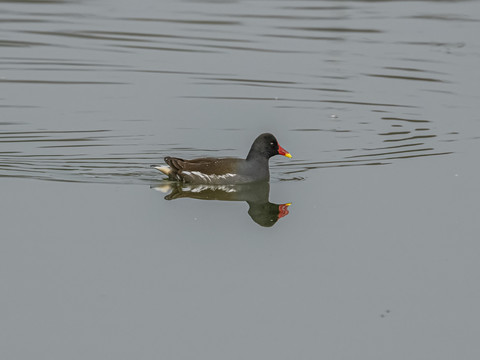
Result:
x=200 y=188
x=209 y=179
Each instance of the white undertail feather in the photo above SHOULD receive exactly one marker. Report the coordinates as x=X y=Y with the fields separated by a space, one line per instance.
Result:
x=164 y=169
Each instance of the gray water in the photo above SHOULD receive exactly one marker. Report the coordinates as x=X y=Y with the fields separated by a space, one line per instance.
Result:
x=376 y=100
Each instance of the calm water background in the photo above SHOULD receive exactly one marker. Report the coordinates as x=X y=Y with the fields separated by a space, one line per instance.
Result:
x=376 y=100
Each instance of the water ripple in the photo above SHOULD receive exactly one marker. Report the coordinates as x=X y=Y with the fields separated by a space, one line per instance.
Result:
x=125 y=78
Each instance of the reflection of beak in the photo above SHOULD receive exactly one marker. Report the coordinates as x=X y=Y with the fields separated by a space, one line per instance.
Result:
x=282 y=151
x=283 y=209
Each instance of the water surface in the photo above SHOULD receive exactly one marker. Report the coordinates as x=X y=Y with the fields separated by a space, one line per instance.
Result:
x=375 y=258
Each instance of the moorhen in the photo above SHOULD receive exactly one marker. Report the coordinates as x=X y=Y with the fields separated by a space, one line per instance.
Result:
x=218 y=171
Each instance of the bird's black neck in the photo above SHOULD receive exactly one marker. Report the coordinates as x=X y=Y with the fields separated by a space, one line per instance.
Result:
x=255 y=156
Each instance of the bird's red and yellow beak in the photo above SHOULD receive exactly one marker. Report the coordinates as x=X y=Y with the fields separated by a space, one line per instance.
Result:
x=282 y=151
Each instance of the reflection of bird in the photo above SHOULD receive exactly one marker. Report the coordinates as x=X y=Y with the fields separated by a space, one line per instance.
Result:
x=267 y=214
x=226 y=170
x=261 y=210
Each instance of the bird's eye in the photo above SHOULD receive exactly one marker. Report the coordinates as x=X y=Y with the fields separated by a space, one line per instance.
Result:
x=272 y=143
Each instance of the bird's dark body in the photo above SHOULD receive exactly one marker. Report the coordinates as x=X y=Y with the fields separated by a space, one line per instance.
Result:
x=215 y=171
x=220 y=171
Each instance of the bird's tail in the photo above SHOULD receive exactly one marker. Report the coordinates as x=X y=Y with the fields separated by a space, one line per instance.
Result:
x=164 y=169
